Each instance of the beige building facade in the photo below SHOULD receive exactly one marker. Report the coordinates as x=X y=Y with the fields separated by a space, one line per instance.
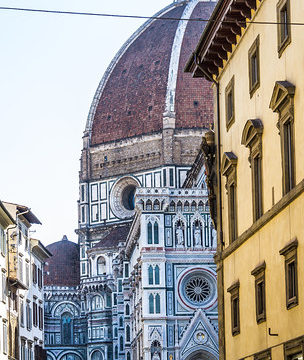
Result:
x=252 y=51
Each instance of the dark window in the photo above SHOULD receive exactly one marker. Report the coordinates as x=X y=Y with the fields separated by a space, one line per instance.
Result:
x=288 y=156
x=291 y=273
x=235 y=308
x=150 y=275
x=151 y=304
x=229 y=100
x=128 y=337
x=257 y=178
x=149 y=233
x=232 y=212
x=254 y=66
x=156 y=239
x=126 y=270
x=164 y=177
x=171 y=177
x=66 y=329
x=235 y=312
x=156 y=270
x=34 y=314
x=157 y=304
x=284 y=29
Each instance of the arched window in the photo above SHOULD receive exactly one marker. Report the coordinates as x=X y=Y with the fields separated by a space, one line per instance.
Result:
x=128 y=356
x=151 y=304
x=128 y=335
x=200 y=206
x=193 y=206
x=115 y=332
x=121 y=322
x=157 y=304
x=127 y=309
x=96 y=355
x=101 y=266
x=186 y=206
x=116 y=352
x=156 y=270
x=70 y=357
x=156 y=240
x=97 y=302
x=179 y=206
x=121 y=344
x=149 y=233
x=156 y=205
x=150 y=275
x=67 y=329
x=149 y=205
x=172 y=206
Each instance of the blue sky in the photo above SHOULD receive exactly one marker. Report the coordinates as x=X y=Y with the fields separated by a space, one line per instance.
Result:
x=50 y=67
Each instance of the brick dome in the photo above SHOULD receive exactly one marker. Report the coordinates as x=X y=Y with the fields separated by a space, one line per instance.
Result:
x=63 y=266
x=146 y=80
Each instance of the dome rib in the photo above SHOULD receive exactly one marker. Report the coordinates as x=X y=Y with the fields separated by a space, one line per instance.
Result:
x=175 y=56
x=115 y=60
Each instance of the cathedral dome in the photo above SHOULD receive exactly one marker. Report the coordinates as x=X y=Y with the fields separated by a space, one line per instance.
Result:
x=145 y=82
x=63 y=267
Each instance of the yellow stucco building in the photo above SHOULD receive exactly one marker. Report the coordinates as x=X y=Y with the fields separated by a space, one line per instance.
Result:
x=252 y=52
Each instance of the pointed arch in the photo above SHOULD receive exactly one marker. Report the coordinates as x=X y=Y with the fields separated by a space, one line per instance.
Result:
x=150 y=275
x=157 y=304
x=156 y=205
x=127 y=309
x=186 y=206
x=149 y=232
x=156 y=235
x=128 y=333
x=151 y=304
x=101 y=265
x=156 y=271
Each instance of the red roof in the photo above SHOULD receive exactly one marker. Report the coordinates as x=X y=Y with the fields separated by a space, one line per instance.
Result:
x=63 y=266
x=115 y=236
x=132 y=101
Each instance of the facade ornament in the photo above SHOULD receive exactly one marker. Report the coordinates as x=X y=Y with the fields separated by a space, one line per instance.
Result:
x=180 y=236
x=197 y=237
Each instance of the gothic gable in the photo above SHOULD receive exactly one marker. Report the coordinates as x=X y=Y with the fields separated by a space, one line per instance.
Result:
x=200 y=336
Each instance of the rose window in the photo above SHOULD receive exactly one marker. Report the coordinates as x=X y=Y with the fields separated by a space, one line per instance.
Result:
x=197 y=289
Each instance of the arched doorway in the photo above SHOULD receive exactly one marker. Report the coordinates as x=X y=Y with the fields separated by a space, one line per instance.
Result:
x=96 y=355
x=201 y=355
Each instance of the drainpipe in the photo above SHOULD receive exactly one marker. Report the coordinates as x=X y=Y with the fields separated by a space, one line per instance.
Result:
x=220 y=243
x=10 y=286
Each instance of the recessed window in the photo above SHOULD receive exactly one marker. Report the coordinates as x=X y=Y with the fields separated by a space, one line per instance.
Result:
x=254 y=66
x=291 y=273
x=284 y=29
x=235 y=308
x=260 y=300
x=288 y=154
x=282 y=102
x=229 y=101
x=229 y=170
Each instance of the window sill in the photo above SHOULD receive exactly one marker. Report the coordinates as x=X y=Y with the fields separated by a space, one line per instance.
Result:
x=292 y=303
x=254 y=88
x=283 y=45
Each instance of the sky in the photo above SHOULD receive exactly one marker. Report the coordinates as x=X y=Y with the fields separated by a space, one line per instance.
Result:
x=50 y=67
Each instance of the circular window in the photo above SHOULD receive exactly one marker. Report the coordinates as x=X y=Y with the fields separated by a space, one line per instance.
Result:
x=128 y=197
x=197 y=289
x=122 y=200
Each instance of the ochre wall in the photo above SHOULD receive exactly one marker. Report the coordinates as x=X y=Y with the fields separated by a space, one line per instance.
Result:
x=265 y=244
